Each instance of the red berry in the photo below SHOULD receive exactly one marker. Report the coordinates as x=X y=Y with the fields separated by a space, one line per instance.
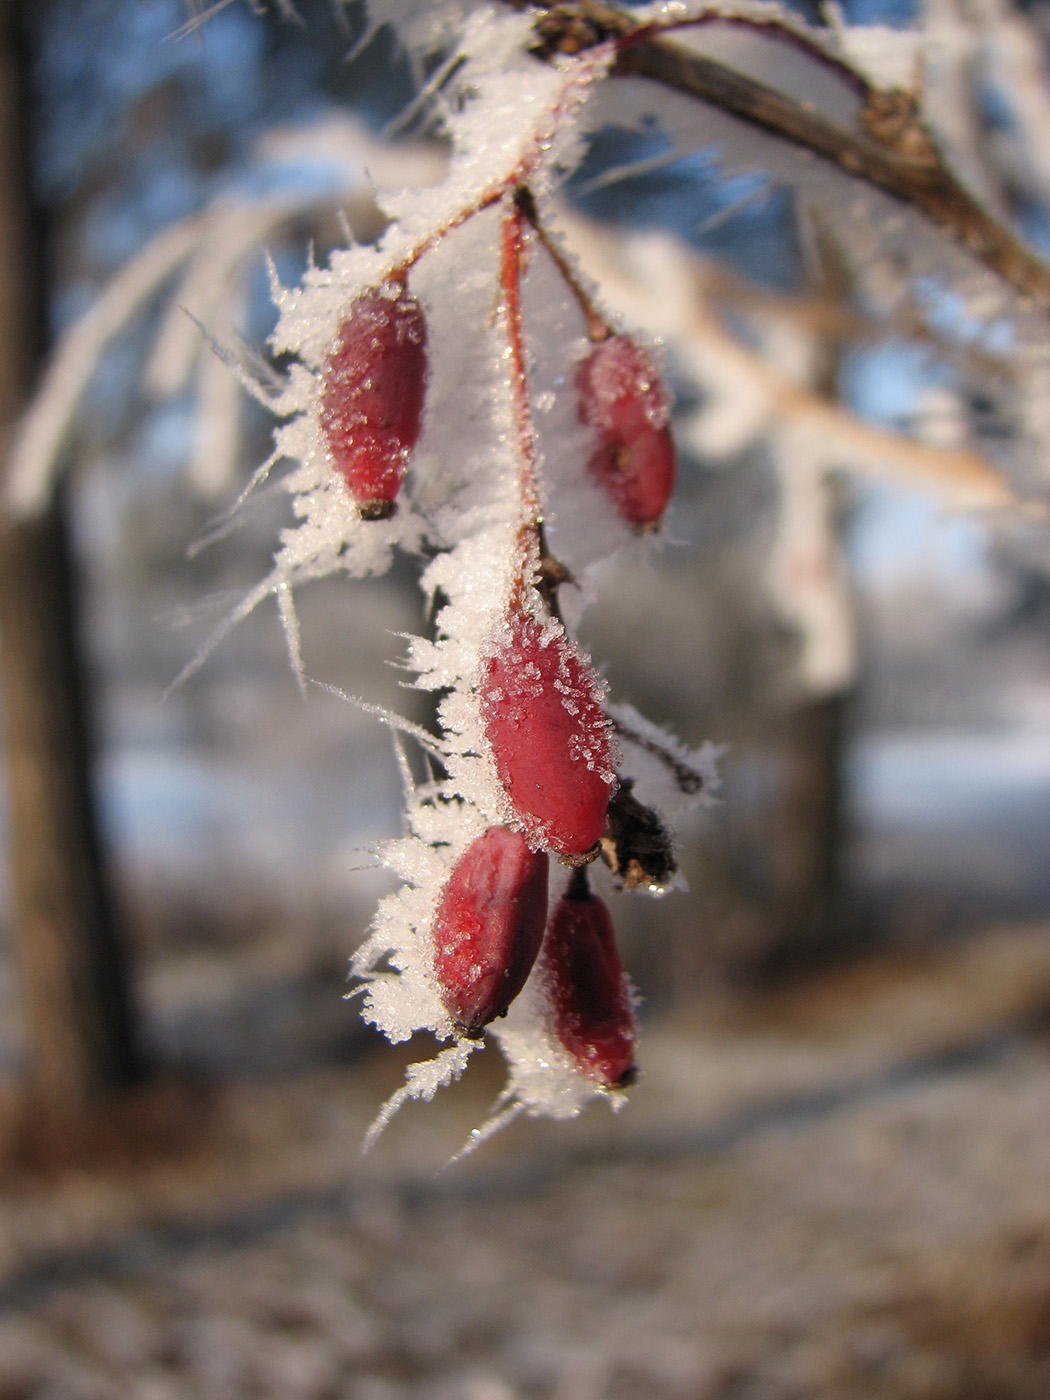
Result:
x=372 y=397
x=590 y=1001
x=549 y=736
x=489 y=926
x=623 y=397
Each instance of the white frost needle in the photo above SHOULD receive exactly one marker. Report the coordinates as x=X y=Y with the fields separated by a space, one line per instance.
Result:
x=196 y=21
x=223 y=523
x=629 y=170
x=430 y=89
x=247 y=605
x=357 y=48
x=499 y=1120
x=293 y=641
x=236 y=363
x=422 y=736
x=422 y=1081
x=730 y=211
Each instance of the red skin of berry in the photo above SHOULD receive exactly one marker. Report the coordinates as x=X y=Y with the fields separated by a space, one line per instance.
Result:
x=637 y=475
x=623 y=398
x=489 y=926
x=549 y=737
x=374 y=381
x=590 y=1003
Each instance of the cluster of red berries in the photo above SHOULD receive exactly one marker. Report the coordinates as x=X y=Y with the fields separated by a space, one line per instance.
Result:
x=371 y=409
x=540 y=701
x=491 y=926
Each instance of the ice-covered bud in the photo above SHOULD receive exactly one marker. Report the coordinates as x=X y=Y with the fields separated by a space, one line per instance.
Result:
x=488 y=927
x=542 y=708
x=622 y=396
x=589 y=998
x=371 y=405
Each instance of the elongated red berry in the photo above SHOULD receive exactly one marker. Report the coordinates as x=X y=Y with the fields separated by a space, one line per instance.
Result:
x=372 y=397
x=489 y=926
x=623 y=397
x=549 y=736
x=590 y=1001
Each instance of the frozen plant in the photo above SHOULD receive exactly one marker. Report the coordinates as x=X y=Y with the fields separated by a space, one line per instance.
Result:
x=413 y=421
x=459 y=392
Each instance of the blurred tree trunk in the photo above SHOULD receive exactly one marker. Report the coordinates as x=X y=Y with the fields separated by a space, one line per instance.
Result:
x=806 y=824
x=805 y=837
x=72 y=957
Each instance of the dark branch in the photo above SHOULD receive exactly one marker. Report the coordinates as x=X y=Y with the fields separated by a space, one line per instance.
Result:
x=891 y=149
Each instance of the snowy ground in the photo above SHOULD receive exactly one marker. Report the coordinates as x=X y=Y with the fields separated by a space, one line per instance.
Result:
x=837 y=1191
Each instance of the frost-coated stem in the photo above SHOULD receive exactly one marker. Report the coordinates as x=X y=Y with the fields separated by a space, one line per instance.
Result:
x=529 y=161
x=512 y=255
x=598 y=326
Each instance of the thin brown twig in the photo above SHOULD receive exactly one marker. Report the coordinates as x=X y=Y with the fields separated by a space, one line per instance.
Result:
x=687 y=779
x=598 y=327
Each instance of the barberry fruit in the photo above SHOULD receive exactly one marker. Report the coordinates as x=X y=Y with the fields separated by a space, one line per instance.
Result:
x=373 y=383
x=549 y=736
x=489 y=926
x=622 y=396
x=589 y=998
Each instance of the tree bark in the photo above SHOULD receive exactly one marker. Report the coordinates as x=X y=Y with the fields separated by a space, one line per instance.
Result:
x=72 y=955
x=805 y=837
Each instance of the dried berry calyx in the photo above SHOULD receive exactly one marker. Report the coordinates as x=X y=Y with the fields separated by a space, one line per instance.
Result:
x=622 y=396
x=589 y=999
x=488 y=927
x=373 y=385
x=636 y=844
x=542 y=708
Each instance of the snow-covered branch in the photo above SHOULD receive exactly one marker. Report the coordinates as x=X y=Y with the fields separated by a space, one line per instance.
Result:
x=888 y=144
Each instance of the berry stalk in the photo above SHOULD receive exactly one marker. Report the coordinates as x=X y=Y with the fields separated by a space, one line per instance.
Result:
x=511 y=261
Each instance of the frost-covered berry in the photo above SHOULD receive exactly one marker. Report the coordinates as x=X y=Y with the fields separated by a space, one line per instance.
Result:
x=589 y=999
x=371 y=407
x=489 y=926
x=549 y=736
x=622 y=396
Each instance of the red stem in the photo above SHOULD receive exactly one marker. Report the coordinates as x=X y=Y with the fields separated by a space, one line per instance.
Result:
x=598 y=325
x=529 y=535
x=515 y=181
x=510 y=283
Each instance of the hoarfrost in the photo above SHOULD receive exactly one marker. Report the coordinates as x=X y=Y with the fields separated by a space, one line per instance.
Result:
x=888 y=58
x=668 y=775
x=422 y=1081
